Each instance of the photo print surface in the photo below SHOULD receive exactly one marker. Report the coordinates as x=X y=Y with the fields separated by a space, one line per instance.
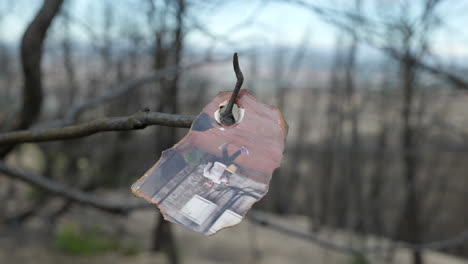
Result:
x=213 y=176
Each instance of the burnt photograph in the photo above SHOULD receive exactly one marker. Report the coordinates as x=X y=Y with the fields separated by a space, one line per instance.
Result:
x=210 y=179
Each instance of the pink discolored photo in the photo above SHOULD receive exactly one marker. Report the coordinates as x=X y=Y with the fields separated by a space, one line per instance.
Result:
x=213 y=176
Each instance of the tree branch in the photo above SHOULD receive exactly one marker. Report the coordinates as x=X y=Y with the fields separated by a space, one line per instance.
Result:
x=123 y=88
x=88 y=199
x=328 y=15
x=69 y=193
x=139 y=120
x=265 y=221
x=455 y=80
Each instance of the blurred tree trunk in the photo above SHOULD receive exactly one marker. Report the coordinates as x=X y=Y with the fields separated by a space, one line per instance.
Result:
x=353 y=161
x=7 y=75
x=277 y=190
x=332 y=131
x=410 y=226
x=287 y=178
x=293 y=179
x=253 y=73
x=298 y=179
x=69 y=66
x=31 y=51
x=374 y=201
x=163 y=239
x=31 y=57
x=106 y=47
x=414 y=45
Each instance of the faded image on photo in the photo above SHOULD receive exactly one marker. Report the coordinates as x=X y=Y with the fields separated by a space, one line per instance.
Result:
x=210 y=179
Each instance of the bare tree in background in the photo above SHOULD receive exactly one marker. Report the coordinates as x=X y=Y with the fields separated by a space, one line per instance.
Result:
x=414 y=45
x=374 y=171
x=167 y=51
x=31 y=57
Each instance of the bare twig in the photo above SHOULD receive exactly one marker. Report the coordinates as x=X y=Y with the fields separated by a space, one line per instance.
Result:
x=123 y=88
x=227 y=117
x=228 y=35
x=267 y=222
x=437 y=71
x=263 y=220
x=116 y=92
x=139 y=120
x=69 y=193
x=451 y=242
x=88 y=199
x=329 y=15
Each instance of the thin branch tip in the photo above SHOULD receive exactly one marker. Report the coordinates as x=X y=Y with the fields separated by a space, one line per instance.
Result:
x=237 y=70
x=227 y=118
